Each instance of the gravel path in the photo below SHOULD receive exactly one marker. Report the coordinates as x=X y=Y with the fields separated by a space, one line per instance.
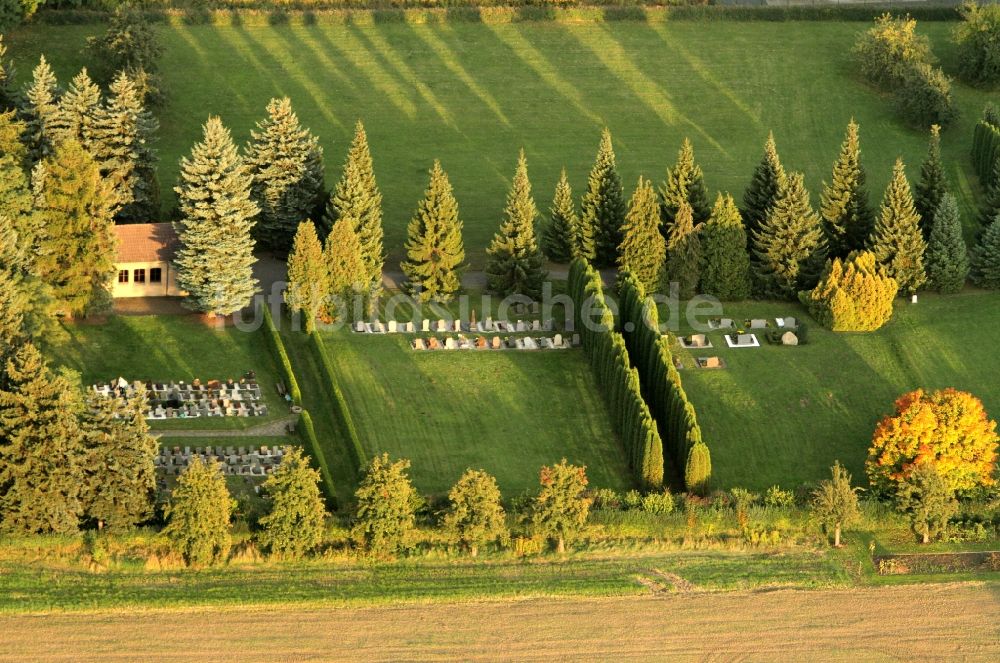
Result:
x=276 y=428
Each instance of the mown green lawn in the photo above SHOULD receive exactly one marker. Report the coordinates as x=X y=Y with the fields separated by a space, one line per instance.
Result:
x=507 y=412
x=472 y=94
x=783 y=415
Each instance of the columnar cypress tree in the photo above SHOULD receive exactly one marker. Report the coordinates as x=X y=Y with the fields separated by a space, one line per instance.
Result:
x=789 y=249
x=308 y=276
x=986 y=258
x=991 y=202
x=295 y=523
x=345 y=264
x=41 y=108
x=515 y=264
x=765 y=185
x=933 y=184
x=698 y=469
x=684 y=252
x=122 y=144
x=77 y=252
x=847 y=217
x=947 y=258
x=10 y=96
x=643 y=251
x=286 y=163
x=78 y=112
x=434 y=249
x=725 y=269
x=215 y=261
x=685 y=183
x=559 y=239
x=602 y=210
x=357 y=196
x=198 y=514
x=41 y=448
x=897 y=241
x=119 y=476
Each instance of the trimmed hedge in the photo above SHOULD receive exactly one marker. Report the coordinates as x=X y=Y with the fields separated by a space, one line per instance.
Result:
x=985 y=150
x=340 y=409
x=278 y=347
x=316 y=451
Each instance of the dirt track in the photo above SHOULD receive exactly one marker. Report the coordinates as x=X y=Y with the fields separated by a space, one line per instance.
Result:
x=939 y=622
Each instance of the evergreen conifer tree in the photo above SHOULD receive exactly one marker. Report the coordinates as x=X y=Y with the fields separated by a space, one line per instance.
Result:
x=514 y=266
x=13 y=132
x=357 y=195
x=434 y=250
x=933 y=184
x=41 y=109
x=847 y=216
x=698 y=469
x=602 y=209
x=559 y=239
x=10 y=96
x=308 y=276
x=295 y=523
x=947 y=258
x=345 y=265
x=198 y=514
x=215 y=261
x=725 y=270
x=684 y=252
x=685 y=183
x=897 y=241
x=77 y=247
x=643 y=251
x=765 y=185
x=986 y=258
x=286 y=163
x=41 y=448
x=77 y=115
x=789 y=250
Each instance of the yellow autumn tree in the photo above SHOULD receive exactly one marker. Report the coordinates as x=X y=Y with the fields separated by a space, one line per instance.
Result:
x=853 y=295
x=946 y=428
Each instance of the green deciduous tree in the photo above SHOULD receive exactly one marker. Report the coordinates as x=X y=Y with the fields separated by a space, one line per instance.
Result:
x=215 y=261
x=602 y=210
x=130 y=45
x=435 y=254
x=296 y=521
x=684 y=253
x=928 y=500
x=308 y=276
x=199 y=513
x=685 y=183
x=933 y=184
x=384 y=517
x=286 y=163
x=848 y=218
x=835 y=502
x=978 y=40
x=725 y=263
x=475 y=514
x=853 y=295
x=643 y=251
x=896 y=240
x=562 y=506
x=345 y=264
x=514 y=266
x=887 y=50
x=925 y=98
x=986 y=258
x=947 y=258
x=40 y=110
x=560 y=237
x=765 y=185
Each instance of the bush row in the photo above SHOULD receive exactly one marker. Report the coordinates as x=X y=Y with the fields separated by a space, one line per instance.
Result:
x=340 y=410
x=986 y=148
x=618 y=379
x=278 y=347
x=668 y=402
x=316 y=451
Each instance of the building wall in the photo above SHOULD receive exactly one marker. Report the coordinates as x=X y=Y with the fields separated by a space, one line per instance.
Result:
x=167 y=287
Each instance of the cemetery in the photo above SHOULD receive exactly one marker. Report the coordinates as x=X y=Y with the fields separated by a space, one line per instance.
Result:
x=214 y=398
x=462 y=342
x=233 y=460
x=442 y=326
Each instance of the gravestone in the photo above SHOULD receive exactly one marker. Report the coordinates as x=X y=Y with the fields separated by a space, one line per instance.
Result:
x=496 y=343
x=530 y=343
x=536 y=325
x=545 y=343
x=547 y=325
x=450 y=344
x=534 y=307
x=726 y=323
x=408 y=327
x=789 y=338
x=457 y=325
x=557 y=340
x=744 y=339
x=710 y=362
x=576 y=339
x=379 y=327
x=392 y=326
x=425 y=326
x=359 y=326
x=433 y=343
x=480 y=342
x=757 y=323
x=419 y=344
x=791 y=323
x=697 y=340
x=489 y=324
x=442 y=326
x=521 y=326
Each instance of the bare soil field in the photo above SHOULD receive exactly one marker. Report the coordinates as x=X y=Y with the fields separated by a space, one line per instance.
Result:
x=953 y=622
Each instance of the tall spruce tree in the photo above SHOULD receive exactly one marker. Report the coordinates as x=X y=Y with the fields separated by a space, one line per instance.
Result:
x=725 y=269
x=295 y=523
x=514 y=266
x=933 y=185
x=308 y=276
x=122 y=142
x=119 y=477
x=77 y=245
x=198 y=514
x=78 y=111
x=765 y=185
x=357 y=195
x=685 y=183
x=13 y=132
x=789 y=250
x=897 y=241
x=559 y=239
x=847 y=216
x=643 y=251
x=286 y=163
x=684 y=252
x=435 y=254
x=986 y=258
x=10 y=96
x=991 y=201
x=40 y=110
x=947 y=258
x=344 y=259
x=41 y=448
x=215 y=261
x=602 y=209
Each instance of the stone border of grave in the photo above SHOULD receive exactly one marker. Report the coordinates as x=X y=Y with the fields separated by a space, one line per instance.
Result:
x=741 y=342
x=442 y=326
x=695 y=342
x=710 y=363
x=721 y=323
x=557 y=342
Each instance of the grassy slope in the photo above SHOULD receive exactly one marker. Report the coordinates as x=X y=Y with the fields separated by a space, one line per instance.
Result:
x=782 y=415
x=505 y=412
x=472 y=94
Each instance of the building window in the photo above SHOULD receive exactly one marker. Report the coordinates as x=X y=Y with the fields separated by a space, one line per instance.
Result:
x=139 y=276
x=123 y=276
x=155 y=275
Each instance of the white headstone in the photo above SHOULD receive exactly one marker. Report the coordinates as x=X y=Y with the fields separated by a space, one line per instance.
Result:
x=442 y=326
x=530 y=343
x=408 y=327
x=536 y=325
x=379 y=327
x=489 y=324
x=425 y=326
x=392 y=326
x=789 y=338
x=557 y=340
x=359 y=326
x=457 y=324
x=450 y=344
x=521 y=326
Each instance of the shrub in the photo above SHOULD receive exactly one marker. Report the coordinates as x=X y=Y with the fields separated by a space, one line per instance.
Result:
x=606 y=499
x=924 y=97
x=854 y=295
x=659 y=504
x=632 y=499
x=888 y=50
x=777 y=497
x=978 y=40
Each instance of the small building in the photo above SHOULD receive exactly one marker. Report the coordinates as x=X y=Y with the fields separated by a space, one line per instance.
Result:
x=145 y=261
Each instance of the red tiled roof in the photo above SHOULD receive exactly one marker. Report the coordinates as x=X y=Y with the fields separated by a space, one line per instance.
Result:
x=146 y=242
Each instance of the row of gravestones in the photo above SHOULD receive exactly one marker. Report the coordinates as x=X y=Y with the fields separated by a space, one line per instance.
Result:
x=445 y=326
x=557 y=342
x=753 y=323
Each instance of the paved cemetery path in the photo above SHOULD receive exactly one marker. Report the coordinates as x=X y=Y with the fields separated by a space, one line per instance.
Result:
x=276 y=428
x=953 y=622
